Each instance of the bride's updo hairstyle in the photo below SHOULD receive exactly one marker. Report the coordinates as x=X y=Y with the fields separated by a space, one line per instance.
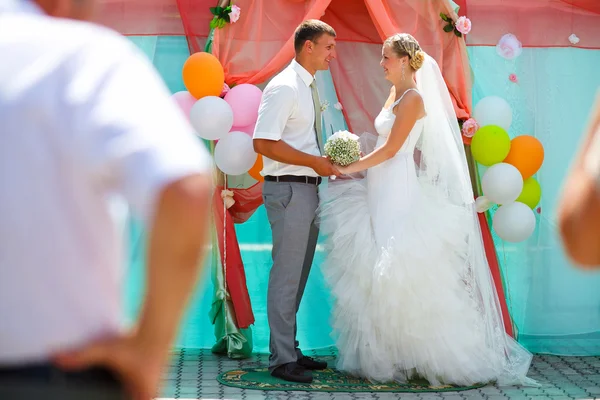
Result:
x=404 y=44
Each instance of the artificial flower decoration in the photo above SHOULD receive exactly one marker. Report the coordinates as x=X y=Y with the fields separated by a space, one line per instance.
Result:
x=509 y=47
x=338 y=106
x=234 y=14
x=324 y=105
x=469 y=127
x=462 y=26
x=224 y=15
x=513 y=78
x=573 y=39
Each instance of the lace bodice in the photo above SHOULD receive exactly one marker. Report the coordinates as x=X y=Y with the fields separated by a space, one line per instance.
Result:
x=385 y=120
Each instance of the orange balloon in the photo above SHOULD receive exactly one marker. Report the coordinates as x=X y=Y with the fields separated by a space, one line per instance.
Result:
x=256 y=168
x=526 y=154
x=203 y=75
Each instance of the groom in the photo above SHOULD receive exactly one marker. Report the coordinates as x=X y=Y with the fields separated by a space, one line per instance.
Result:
x=288 y=135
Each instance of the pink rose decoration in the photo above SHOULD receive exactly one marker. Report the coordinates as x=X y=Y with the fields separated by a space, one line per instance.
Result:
x=469 y=128
x=513 y=78
x=225 y=90
x=234 y=14
x=463 y=25
x=509 y=47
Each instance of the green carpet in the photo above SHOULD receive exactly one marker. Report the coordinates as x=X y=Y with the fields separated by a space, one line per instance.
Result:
x=329 y=380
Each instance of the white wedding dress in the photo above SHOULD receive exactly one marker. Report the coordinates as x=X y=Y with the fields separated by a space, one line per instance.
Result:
x=398 y=265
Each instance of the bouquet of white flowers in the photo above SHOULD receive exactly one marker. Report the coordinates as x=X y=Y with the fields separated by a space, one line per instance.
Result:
x=343 y=148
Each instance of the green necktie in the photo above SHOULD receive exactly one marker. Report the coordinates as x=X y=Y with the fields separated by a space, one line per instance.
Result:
x=318 y=124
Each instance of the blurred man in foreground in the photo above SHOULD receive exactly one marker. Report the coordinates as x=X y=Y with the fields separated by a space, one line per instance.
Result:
x=84 y=116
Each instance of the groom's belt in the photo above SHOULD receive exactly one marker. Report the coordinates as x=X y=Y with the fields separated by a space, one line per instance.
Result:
x=313 y=180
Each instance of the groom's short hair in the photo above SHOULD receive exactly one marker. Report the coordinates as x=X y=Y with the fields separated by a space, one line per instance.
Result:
x=312 y=30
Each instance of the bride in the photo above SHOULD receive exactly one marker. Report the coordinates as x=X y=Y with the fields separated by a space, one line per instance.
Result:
x=406 y=263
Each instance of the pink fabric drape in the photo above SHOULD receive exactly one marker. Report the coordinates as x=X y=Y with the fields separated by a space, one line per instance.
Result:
x=195 y=18
x=246 y=202
x=536 y=23
x=362 y=25
x=360 y=84
x=261 y=42
x=357 y=76
x=421 y=19
x=231 y=260
x=265 y=25
x=154 y=17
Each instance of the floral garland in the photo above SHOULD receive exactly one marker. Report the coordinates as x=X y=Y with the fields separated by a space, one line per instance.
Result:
x=462 y=26
x=224 y=15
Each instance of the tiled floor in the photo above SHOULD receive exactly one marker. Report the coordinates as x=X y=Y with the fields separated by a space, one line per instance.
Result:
x=193 y=373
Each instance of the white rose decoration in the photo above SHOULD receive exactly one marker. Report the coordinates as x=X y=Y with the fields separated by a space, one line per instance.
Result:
x=509 y=47
x=573 y=39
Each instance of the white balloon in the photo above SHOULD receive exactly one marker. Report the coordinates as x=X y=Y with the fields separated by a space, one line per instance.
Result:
x=493 y=110
x=234 y=154
x=514 y=222
x=211 y=117
x=482 y=204
x=502 y=183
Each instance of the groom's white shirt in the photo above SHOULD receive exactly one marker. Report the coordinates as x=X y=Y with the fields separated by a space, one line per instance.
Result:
x=287 y=113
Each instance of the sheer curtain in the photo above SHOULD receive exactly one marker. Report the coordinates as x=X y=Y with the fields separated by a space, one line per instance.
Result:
x=553 y=304
x=538 y=23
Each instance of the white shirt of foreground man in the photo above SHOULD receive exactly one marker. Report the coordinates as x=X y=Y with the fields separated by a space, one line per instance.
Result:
x=82 y=115
x=287 y=113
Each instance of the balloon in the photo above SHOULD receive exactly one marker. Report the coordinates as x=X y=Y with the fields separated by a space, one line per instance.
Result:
x=212 y=117
x=256 y=168
x=234 y=154
x=482 y=204
x=490 y=145
x=244 y=100
x=249 y=129
x=185 y=101
x=527 y=154
x=203 y=75
x=531 y=194
x=514 y=222
x=502 y=183
x=493 y=110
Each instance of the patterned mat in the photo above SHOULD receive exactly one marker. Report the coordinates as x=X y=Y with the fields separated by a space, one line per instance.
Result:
x=329 y=380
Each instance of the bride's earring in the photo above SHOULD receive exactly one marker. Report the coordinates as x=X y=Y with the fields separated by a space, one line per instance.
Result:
x=403 y=73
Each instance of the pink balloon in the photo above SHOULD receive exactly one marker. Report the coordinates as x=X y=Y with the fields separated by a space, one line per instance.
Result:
x=246 y=129
x=244 y=100
x=185 y=101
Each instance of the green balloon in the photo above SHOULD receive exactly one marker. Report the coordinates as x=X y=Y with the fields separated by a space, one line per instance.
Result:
x=490 y=145
x=531 y=194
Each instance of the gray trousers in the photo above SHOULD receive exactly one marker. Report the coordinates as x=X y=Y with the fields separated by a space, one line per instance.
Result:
x=291 y=209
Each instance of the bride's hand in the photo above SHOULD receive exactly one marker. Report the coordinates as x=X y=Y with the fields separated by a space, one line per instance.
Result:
x=343 y=170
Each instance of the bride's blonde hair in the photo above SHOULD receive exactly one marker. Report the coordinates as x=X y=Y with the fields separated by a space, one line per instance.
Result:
x=403 y=44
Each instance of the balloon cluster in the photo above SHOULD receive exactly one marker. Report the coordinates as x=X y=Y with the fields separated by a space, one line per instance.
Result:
x=509 y=180
x=224 y=116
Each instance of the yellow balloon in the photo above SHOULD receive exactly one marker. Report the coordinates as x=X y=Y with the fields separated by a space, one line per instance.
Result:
x=490 y=145
x=531 y=193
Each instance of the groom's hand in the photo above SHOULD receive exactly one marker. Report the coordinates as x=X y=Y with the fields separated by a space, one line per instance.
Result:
x=324 y=167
